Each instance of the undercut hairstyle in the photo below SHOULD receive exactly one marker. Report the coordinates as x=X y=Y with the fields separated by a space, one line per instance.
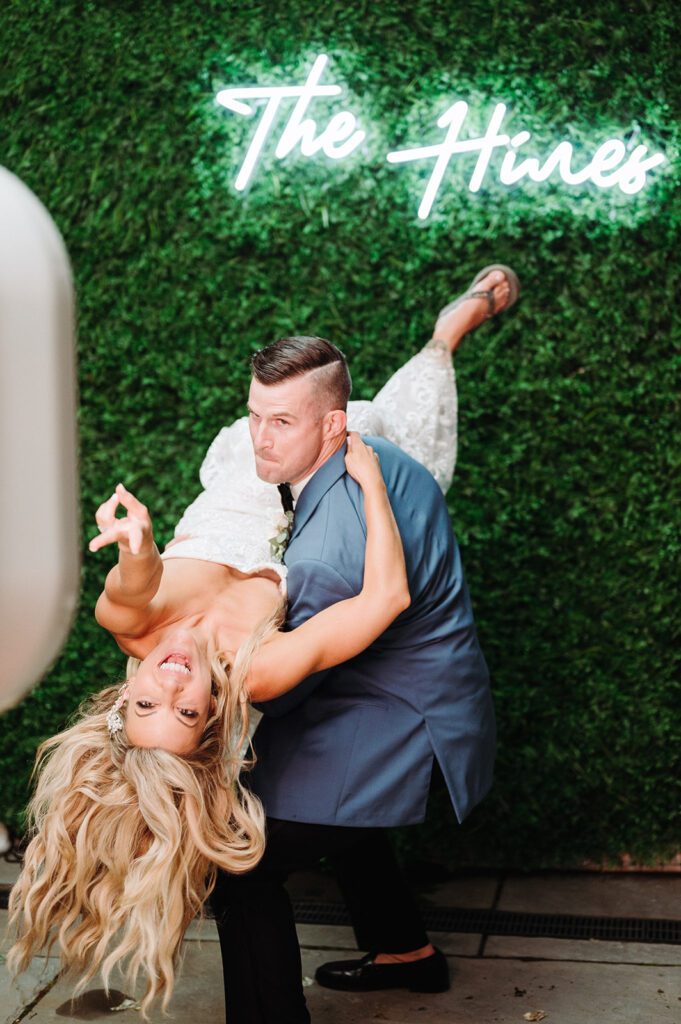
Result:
x=299 y=355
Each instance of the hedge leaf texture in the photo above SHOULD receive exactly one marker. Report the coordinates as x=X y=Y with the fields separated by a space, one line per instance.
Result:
x=566 y=497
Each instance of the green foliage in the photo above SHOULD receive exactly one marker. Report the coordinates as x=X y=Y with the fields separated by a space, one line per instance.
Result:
x=566 y=496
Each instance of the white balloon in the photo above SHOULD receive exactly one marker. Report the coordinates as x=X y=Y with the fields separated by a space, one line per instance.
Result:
x=39 y=563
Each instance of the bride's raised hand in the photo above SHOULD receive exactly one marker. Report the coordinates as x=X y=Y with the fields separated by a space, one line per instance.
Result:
x=362 y=463
x=133 y=532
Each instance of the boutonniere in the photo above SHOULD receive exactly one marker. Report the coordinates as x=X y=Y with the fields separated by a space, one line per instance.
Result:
x=278 y=543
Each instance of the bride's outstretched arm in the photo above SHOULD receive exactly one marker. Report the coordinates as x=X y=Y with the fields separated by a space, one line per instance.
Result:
x=124 y=606
x=347 y=627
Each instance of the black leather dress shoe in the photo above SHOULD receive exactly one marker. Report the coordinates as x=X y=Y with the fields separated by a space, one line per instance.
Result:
x=428 y=975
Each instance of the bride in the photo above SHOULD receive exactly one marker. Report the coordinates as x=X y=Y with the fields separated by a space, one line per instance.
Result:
x=141 y=799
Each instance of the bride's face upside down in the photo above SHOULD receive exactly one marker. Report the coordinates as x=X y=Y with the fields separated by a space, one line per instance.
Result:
x=168 y=700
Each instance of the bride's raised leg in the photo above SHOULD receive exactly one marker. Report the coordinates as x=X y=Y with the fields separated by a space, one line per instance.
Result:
x=488 y=296
x=418 y=409
x=418 y=405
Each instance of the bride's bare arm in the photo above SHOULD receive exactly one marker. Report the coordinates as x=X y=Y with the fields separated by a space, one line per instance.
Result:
x=347 y=627
x=124 y=607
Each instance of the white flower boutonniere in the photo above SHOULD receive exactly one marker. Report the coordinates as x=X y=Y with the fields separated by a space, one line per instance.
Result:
x=278 y=543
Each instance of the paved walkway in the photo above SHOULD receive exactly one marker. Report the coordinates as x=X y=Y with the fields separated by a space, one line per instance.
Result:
x=495 y=979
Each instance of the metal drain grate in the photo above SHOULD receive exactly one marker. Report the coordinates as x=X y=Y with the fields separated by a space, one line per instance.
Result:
x=504 y=922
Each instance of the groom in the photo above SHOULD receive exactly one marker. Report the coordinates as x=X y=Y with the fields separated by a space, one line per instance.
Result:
x=350 y=751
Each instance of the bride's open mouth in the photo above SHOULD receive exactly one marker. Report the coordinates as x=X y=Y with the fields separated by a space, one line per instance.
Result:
x=176 y=662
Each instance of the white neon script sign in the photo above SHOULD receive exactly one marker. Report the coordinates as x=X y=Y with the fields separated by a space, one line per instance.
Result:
x=340 y=137
x=611 y=165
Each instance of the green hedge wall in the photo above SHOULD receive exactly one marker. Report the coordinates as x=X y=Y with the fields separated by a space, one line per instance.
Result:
x=566 y=496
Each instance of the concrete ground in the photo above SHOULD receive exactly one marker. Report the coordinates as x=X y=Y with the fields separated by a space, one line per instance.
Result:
x=495 y=979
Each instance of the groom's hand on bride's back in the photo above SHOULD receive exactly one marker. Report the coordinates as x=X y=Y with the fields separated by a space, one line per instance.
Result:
x=133 y=532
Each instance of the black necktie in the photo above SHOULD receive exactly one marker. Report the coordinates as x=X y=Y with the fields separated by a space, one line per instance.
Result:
x=286 y=497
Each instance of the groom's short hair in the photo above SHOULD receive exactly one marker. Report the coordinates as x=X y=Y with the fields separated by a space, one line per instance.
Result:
x=298 y=355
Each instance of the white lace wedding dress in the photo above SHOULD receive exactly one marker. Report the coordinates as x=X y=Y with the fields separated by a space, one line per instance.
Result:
x=236 y=514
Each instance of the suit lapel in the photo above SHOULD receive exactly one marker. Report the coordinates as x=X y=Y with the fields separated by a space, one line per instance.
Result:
x=315 y=489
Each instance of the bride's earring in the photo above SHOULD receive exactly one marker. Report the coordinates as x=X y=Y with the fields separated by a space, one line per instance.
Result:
x=114 y=719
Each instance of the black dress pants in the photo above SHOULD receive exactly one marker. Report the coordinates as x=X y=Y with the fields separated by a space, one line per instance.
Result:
x=260 y=952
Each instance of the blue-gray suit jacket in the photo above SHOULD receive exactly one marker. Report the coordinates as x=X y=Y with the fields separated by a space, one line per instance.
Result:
x=354 y=745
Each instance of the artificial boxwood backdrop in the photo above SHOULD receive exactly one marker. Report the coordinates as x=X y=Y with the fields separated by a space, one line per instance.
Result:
x=566 y=496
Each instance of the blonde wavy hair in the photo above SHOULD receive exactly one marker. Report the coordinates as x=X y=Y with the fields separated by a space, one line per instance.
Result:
x=126 y=840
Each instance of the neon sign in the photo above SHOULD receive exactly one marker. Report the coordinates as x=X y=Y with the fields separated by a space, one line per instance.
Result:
x=609 y=166
x=339 y=138
x=612 y=165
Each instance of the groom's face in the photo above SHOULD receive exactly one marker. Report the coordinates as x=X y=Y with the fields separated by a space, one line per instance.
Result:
x=287 y=429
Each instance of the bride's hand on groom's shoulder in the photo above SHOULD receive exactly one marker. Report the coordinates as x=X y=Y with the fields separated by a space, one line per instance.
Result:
x=133 y=532
x=362 y=462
